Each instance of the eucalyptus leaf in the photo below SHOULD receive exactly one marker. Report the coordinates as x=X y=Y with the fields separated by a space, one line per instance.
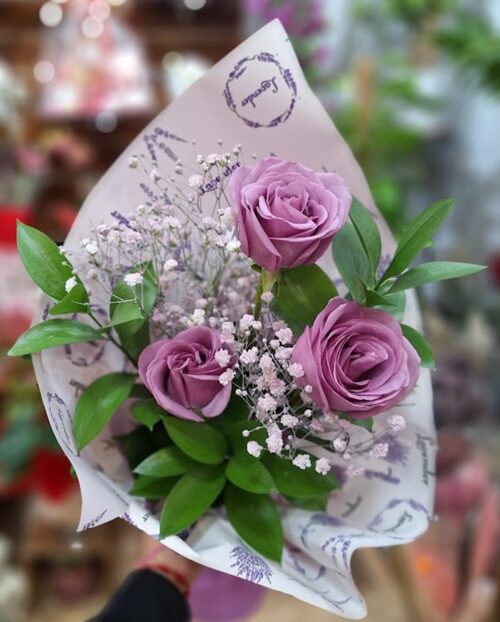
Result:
x=352 y=262
x=433 y=271
x=98 y=403
x=368 y=233
x=300 y=294
x=166 y=462
x=420 y=344
x=256 y=519
x=295 y=482
x=199 y=441
x=41 y=257
x=189 y=499
x=51 y=334
x=417 y=236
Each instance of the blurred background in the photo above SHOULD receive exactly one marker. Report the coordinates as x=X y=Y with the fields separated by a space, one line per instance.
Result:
x=414 y=87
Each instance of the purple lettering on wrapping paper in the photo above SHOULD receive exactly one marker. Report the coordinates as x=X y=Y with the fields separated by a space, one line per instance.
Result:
x=60 y=416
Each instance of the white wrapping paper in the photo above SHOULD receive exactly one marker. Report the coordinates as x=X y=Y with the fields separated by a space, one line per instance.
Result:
x=256 y=96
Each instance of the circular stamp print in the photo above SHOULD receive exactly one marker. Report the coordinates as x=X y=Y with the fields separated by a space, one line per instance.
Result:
x=260 y=91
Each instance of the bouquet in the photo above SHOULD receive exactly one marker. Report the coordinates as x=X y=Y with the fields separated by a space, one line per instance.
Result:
x=227 y=353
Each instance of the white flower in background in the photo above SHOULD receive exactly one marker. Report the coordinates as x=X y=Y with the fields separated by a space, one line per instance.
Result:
x=267 y=297
x=248 y=357
x=91 y=248
x=274 y=442
x=289 y=421
x=233 y=246
x=198 y=316
x=133 y=162
x=133 y=279
x=267 y=403
x=340 y=444
x=296 y=370
x=302 y=461
x=195 y=181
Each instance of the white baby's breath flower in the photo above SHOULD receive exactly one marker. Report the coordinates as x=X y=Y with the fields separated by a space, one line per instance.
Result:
x=285 y=335
x=233 y=246
x=380 y=450
x=91 y=248
x=195 y=181
x=267 y=403
x=254 y=449
x=133 y=162
x=289 y=421
x=198 y=316
x=302 y=461
x=170 y=264
x=267 y=297
x=296 y=370
x=70 y=283
x=397 y=423
x=248 y=357
x=227 y=377
x=322 y=466
x=222 y=357
x=133 y=279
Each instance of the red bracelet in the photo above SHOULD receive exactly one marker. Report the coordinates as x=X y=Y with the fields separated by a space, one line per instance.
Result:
x=170 y=572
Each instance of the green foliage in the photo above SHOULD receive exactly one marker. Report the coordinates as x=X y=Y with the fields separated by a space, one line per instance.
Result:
x=300 y=294
x=417 y=236
x=166 y=462
x=294 y=482
x=47 y=267
x=248 y=473
x=147 y=412
x=368 y=234
x=138 y=444
x=98 y=403
x=152 y=487
x=352 y=262
x=256 y=519
x=192 y=495
x=421 y=346
x=431 y=272
x=76 y=301
x=51 y=334
x=199 y=441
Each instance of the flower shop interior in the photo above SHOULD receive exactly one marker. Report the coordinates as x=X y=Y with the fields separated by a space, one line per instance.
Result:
x=413 y=86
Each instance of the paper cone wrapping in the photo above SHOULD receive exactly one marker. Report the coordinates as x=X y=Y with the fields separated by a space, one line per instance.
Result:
x=257 y=97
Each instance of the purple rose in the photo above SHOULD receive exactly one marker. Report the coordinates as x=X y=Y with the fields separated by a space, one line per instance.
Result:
x=286 y=214
x=356 y=360
x=183 y=373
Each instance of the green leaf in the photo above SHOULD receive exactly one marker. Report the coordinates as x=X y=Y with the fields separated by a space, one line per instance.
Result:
x=130 y=306
x=198 y=440
x=237 y=410
x=313 y=504
x=256 y=520
x=189 y=499
x=140 y=443
x=147 y=412
x=47 y=267
x=295 y=482
x=417 y=235
x=152 y=487
x=366 y=423
x=248 y=473
x=433 y=271
x=300 y=294
x=51 y=334
x=394 y=304
x=76 y=301
x=352 y=262
x=98 y=403
x=136 y=343
x=166 y=462
x=423 y=349
x=368 y=233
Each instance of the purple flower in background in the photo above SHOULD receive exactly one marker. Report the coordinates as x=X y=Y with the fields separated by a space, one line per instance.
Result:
x=184 y=373
x=287 y=214
x=356 y=360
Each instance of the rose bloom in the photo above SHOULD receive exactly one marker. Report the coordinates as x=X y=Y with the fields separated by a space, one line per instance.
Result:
x=183 y=374
x=356 y=360
x=286 y=214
